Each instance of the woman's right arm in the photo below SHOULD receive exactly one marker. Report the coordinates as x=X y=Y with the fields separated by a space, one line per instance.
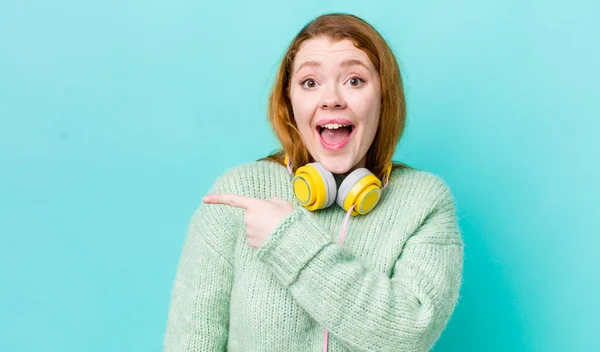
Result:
x=198 y=316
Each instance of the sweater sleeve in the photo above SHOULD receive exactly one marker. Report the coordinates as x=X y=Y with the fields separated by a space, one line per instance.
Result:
x=365 y=309
x=198 y=316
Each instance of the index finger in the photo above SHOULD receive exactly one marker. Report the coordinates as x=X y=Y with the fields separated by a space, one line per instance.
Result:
x=234 y=200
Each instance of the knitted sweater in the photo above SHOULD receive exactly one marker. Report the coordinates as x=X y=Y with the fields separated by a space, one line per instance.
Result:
x=391 y=286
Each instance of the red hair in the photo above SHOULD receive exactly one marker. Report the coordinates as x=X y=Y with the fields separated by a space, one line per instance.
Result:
x=392 y=121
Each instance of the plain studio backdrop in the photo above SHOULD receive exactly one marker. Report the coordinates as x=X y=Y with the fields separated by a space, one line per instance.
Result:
x=116 y=118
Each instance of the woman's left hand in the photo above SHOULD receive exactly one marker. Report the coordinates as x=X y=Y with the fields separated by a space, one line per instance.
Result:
x=261 y=216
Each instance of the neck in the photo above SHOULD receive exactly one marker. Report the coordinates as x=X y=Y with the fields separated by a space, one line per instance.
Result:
x=340 y=177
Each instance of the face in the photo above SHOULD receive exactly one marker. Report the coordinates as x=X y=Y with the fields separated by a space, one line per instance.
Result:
x=336 y=98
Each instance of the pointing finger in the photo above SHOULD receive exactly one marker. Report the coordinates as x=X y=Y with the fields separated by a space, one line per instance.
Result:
x=234 y=200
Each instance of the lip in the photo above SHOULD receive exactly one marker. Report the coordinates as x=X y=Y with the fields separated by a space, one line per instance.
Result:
x=338 y=121
x=341 y=144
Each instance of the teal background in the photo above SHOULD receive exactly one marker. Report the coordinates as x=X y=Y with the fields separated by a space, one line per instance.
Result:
x=116 y=117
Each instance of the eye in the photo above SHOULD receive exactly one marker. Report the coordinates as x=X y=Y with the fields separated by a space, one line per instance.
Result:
x=308 y=83
x=355 y=81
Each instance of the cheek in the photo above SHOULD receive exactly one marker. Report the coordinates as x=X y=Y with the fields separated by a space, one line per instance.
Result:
x=303 y=109
x=367 y=107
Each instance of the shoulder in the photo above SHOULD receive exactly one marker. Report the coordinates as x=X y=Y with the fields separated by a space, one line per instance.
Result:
x=427 y=199
x=420 y=187
x=252 y=179
x=245 y=179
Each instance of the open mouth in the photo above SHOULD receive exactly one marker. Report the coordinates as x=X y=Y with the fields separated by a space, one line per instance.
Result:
x=334 y=135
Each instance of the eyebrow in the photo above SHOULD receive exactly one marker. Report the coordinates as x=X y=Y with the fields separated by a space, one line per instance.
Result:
x=345 y=63
x=352 y=62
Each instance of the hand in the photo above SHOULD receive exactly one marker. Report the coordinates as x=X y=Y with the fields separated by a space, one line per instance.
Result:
x=261 y=216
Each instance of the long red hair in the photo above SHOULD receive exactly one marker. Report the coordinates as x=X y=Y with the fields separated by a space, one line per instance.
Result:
x=392 y=121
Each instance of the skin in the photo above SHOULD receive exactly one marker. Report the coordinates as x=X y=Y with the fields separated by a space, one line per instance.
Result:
x=261 y=217
x=325 y=89
x=328 y=88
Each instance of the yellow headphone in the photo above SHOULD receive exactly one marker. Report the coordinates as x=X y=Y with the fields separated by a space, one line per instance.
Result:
x=315 y=188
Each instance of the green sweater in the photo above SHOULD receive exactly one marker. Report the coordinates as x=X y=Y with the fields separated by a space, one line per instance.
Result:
x=391 y=286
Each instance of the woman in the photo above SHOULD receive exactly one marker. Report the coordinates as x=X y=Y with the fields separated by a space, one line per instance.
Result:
x=268 y=265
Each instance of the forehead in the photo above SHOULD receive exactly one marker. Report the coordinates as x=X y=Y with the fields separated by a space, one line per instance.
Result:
x=323 y=49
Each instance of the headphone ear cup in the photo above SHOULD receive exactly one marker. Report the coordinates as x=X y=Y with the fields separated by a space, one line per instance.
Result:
x=360 y=188
x=314 y=186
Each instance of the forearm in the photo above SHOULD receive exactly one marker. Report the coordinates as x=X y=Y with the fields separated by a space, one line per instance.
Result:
x=371 y=312
x=365 y=309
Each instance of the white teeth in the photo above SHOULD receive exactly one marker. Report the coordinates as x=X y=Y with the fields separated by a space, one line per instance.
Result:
x=334 y=126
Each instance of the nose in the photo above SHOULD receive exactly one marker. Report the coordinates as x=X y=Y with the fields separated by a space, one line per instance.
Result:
x=332 y=99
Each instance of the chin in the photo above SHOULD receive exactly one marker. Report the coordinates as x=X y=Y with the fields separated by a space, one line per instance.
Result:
x=335 y=166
